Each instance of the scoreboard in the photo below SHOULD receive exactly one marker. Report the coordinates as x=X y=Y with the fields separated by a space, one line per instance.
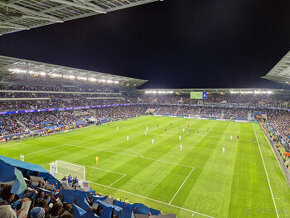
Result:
x=198 y=95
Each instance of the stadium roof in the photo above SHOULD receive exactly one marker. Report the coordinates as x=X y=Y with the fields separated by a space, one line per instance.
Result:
x=281 y=71
x=13 y=68
x=17 y=15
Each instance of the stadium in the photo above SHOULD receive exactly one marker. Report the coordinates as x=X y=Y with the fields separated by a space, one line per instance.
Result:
x=81 y=143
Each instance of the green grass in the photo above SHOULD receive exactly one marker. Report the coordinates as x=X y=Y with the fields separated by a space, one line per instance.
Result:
x=201 y=177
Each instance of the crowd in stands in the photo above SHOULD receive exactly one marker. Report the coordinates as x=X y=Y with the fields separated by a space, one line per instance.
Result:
x=39 y=121
x=280 y=120
x=41 y=199
x=237 y=100
x=57 y=103
x=206 y=112
x=8 y=125
x=20 y=123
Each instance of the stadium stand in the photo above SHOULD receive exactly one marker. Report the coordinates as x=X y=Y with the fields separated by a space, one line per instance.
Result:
x=50 y=107
x=48 y=197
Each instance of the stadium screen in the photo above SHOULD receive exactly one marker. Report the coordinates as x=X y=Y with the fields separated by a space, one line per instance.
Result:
x=198 y=95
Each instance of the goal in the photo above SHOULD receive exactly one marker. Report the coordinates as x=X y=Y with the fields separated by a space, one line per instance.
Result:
x=59 y=169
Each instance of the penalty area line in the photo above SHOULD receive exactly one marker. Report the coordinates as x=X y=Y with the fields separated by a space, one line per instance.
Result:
x=181 y=186
x=151 y=199
x=117 y=180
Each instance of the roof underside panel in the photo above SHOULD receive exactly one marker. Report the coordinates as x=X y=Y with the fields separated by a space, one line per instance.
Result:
x=17 y=15
x=281 y=71
x=16 y=69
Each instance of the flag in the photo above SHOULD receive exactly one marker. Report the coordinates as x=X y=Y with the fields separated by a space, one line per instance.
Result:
x=9 y=173
x=78 y=212
x=19 y=184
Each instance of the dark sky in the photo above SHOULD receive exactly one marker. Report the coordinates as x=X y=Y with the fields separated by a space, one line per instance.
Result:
x=173 y=44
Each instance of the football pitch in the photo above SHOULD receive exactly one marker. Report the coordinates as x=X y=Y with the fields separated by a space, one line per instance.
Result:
x=212 y=176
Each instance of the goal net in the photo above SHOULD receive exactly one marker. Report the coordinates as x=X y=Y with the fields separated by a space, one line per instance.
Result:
x=59 y=169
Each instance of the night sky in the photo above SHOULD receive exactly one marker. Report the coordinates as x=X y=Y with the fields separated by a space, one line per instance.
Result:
x=173 y=44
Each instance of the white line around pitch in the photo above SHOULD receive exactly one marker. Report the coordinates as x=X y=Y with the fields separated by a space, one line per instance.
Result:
x=181 y=186
x=266 y=171
x=151 y=199
x=274 y=154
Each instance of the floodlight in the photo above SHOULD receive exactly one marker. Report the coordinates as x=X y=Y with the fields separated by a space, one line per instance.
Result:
x=15 y=70
x=82 y=78
x=92 y=79
x=55 y=75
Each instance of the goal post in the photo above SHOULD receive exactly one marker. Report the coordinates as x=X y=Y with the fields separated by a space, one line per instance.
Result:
x=59 y=169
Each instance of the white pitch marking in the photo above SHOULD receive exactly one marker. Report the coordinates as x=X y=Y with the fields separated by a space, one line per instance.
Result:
x=117 y=180
x=266 y=171
x=151 y=199
x=98 y=149
x=125 y=175
x=10 y=144
x=103 y=170
x=181 y=185
x=274 y=154
x=36 y=152
x=124 y=150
